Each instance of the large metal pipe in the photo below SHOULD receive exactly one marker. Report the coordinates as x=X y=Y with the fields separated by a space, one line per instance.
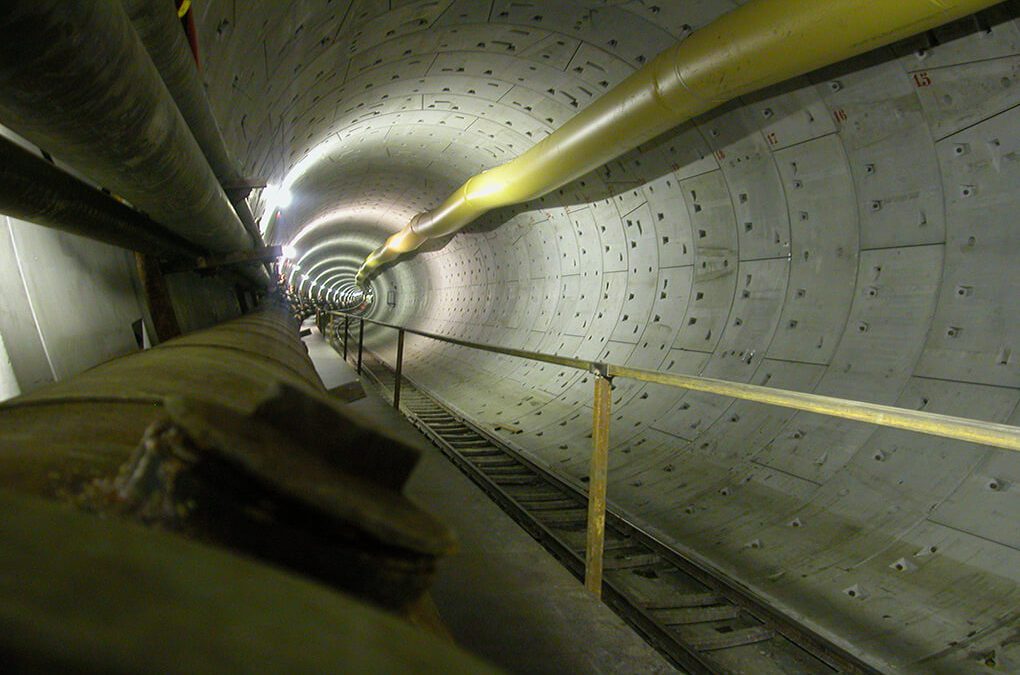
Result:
x=762 y=43
x=35 y=190
x=91 y=423
x=273 y=467
x=89 y=595
x=160 y=31
x=75 y=79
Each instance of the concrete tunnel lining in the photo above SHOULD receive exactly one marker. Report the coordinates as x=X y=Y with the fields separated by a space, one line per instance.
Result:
x=848 y=233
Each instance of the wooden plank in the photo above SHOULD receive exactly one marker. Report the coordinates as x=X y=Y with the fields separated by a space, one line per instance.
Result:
x=157 y=297
x=483 y=452
x=706 y=642
x=689 y=615
x=517 y=470
x=627 y=562
x=686 y=600
x=516 y=480
x=575 y=516
x=554 y=505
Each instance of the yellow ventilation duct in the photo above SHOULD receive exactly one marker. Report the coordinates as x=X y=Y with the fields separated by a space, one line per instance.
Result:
x=760 y=44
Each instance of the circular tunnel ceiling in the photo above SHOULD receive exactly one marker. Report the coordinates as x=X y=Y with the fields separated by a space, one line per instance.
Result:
x=850 y=233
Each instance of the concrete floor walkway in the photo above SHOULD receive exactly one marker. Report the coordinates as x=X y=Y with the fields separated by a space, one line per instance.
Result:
x=502 y=596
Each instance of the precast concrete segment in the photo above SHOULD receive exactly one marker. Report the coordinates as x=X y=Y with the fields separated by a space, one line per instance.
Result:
x=106 y=112
x=849 y=233
x=760 y=44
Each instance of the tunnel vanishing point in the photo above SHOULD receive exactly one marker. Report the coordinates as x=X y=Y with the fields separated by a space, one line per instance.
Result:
x=745 y=274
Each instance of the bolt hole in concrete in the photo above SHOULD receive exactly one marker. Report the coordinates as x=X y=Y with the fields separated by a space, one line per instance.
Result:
x=877 y=170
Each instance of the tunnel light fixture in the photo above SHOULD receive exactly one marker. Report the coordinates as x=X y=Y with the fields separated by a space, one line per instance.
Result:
x=289 y=253
x=277 y=197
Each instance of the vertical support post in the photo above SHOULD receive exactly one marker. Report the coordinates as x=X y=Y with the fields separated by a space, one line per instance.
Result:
x=157 y=297
x=400 y=367
x=242 y=299
x=361 y=342
x=597 y=479
x=347 y=334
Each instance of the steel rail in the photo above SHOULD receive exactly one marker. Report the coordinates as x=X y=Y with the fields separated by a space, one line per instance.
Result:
x=615 y=594
x=946 y=426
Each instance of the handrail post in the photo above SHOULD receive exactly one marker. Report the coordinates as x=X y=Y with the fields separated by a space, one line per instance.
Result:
x=361 y=342
x=347 y=334
x=597 y=479
x=400 y=367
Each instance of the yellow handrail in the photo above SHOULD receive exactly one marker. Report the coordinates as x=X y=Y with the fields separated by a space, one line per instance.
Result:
x=947 y=426
x=757 y=45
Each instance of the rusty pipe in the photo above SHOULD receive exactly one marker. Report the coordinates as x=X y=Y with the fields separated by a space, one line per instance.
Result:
x=228 y=436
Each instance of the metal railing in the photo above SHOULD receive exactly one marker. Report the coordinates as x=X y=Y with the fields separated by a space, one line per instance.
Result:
x=947 y=426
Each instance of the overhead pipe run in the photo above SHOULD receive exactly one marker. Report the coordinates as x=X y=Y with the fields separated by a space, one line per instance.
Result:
x=757 y=45
x=35 y=190
x=105 y=111
x=159 y=28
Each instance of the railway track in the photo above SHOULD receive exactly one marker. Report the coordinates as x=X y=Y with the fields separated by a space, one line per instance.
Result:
x=701 y=621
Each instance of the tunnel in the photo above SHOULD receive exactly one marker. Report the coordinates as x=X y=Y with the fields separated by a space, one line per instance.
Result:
x=846 y=233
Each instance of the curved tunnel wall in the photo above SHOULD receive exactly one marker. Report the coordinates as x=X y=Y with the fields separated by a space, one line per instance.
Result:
x=850 y=233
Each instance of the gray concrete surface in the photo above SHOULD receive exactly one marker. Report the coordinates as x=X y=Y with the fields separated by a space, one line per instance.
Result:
x=850 y=233
x=502 y=596
x=66 y=304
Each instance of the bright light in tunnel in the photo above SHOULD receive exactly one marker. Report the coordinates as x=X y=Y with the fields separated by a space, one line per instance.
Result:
x=280 y=196
x=277 y=197
x=289 y=253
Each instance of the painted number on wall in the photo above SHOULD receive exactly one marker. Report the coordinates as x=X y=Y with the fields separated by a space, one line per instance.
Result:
x=772 y=138
x=922 y=80
x=840 y=115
